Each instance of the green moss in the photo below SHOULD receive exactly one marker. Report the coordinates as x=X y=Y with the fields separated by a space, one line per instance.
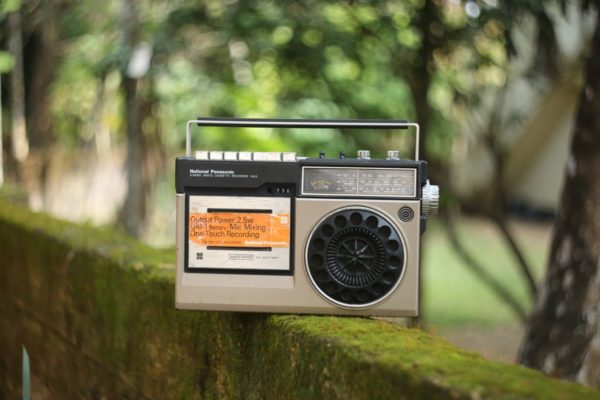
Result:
x=13 y=195
x=96 y=310
x=115 y=246
x=424 y=358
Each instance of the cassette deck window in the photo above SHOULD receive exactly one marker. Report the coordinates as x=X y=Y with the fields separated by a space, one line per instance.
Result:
x=238 y=233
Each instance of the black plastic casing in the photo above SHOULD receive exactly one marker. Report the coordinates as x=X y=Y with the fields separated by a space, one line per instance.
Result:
x=275 y=177
x=274 y=172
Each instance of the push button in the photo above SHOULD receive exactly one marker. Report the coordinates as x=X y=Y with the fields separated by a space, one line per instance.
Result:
x=245 y=156
x=393 y=155
x=364 y=155
x=202 y=155
x=266 y=156
x=289 y=157
x=216 y=155
x=230 y=155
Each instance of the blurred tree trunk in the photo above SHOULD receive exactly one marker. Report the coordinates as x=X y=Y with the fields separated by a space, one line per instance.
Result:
x=419 y=89
x=563 y=333
x=133 y=211
x=20 y=144
x=41 y=54
x=419 y=77
x=100 y=132
x=35 y=44
x=144 y=153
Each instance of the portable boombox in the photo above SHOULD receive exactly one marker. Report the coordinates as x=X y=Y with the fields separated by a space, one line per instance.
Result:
x=275 y=232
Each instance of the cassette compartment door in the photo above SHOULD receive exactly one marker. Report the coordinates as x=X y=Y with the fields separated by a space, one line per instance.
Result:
x=238 y=234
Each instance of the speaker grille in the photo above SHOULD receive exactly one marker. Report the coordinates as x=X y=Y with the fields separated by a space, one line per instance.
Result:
x=355 y=257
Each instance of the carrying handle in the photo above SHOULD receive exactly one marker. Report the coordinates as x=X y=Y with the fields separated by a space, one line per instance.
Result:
x=300 y=123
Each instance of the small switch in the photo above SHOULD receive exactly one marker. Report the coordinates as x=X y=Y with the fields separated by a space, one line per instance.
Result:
x=393 y=155
x=245 y=156
x=215 y=155
x=289 y=157
x=266 y=156
x=202 y=155
x=230 y=155
x=364 y=155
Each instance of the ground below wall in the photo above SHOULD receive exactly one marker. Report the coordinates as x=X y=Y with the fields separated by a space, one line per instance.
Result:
x=95 y=311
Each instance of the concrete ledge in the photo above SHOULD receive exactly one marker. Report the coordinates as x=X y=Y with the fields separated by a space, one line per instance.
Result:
x=95 y=311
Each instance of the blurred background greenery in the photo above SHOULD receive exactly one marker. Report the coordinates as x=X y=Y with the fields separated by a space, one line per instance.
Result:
x=95 y=96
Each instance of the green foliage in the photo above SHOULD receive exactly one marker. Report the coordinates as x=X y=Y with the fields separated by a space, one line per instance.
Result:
x=10 y=6
x=303 y=59
x=7 y=62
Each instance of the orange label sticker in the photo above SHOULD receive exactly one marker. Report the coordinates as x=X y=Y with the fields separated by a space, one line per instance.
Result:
x=233 y=229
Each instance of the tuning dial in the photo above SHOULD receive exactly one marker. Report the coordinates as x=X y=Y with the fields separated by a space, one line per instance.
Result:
x=430 y=199
x=364 y=155
x=393 y=155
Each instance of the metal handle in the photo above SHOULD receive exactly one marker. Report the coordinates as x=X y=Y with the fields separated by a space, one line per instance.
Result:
x=299 y=123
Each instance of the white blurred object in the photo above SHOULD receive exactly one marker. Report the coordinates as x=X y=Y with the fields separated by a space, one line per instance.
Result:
x=139 y=63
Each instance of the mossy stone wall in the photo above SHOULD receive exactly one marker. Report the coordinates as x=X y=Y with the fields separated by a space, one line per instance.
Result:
x=95 y=311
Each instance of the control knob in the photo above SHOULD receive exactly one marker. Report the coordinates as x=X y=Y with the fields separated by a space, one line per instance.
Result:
x=430 y=199
x=393 y=155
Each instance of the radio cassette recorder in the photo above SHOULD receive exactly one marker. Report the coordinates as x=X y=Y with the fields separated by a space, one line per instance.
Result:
x=275 y=232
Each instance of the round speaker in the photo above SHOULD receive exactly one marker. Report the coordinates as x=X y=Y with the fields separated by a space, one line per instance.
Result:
x=355 y=257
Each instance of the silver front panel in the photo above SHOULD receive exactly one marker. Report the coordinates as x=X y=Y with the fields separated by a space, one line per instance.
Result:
x=296 y=294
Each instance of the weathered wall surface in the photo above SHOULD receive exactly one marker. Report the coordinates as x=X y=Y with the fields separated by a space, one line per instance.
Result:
x=95 y=311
